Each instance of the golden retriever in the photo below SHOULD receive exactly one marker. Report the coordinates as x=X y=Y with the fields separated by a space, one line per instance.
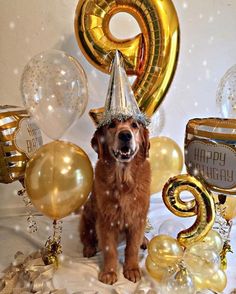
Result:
x=120 y=199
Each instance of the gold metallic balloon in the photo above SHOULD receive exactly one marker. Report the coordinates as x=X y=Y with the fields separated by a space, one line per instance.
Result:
x=227 y=204
x=58 y=178
x=19 y=139
x=214 y=241
x=151 y=55
x=155 y=270
x=166 y=161
x=216 y=282
x=202 y=206
x=165 y=250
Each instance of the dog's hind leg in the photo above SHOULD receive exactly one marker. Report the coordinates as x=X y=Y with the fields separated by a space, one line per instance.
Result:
x=88 y=231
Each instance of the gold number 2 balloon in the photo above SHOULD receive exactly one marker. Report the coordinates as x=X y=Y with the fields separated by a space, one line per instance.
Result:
x=202 y=206
x=151 y=55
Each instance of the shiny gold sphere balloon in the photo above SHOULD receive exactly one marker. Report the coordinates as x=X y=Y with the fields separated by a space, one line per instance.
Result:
x=165 y=250
x=166 y=160
x=155 y=270
x=214 y=241
x=216 y=282
x=58 y=178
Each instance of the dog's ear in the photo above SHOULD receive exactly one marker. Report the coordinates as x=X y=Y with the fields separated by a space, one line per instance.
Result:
x=97 y=142
x=145 y=142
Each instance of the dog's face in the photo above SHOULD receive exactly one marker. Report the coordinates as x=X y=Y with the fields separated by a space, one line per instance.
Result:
x=122 y=140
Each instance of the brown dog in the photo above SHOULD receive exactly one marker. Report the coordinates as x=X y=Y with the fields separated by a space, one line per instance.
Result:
x=120 y=198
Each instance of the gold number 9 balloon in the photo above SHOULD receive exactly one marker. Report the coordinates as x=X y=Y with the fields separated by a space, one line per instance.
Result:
x=202 y=206
x=151 y=55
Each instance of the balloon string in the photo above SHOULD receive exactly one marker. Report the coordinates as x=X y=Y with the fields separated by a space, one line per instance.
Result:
x=53 y=245
x=32 y=225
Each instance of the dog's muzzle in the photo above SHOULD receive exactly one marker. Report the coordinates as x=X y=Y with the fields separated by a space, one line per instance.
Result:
x=126 y=148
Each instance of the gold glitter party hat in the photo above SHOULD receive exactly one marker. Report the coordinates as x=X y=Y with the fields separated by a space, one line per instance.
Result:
x=120 y=101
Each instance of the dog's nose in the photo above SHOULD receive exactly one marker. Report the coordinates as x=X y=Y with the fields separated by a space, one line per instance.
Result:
x=125 y=136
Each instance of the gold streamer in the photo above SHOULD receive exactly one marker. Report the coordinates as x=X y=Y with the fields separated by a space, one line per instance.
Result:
x=29 y=275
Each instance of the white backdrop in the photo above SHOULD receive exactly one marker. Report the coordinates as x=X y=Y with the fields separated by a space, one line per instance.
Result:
x=208 y=49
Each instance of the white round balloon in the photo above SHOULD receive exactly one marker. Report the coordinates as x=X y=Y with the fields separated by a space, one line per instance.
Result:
x=226 y=94
x=54 y=90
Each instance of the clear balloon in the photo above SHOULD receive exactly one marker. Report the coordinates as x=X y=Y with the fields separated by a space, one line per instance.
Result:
x=201 y=259
x=171 y=228
x=165 y=250
x=54 y=90
x=58 y=178
x=214 y=241
x=166 y=160
x=157 y=123
x=226 y=94
x=182 y=282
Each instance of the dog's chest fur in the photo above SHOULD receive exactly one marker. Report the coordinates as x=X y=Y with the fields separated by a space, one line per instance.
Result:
x=118 y=196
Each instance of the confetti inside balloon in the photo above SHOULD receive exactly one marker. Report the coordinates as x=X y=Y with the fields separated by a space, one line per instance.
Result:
x=182 y=282
x=226 y=94
x=54 y=90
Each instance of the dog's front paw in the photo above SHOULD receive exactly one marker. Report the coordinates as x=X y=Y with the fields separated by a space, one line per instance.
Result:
x=108 y=277
x=134 y=275
x=89 y=251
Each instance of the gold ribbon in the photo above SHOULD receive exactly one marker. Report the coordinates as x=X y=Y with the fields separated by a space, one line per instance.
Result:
x=28 y=274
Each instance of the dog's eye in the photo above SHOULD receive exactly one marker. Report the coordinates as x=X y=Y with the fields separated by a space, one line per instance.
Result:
x=134 y=125
x=112 y=125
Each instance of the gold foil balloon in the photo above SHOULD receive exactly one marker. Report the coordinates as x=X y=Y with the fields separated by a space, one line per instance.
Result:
x=214 y=241
x=216 y=282
x=202 y=206
x=166 y=160
x=202 y=259
x=19 y=139
x=165 y=250
x=151 y=55
x=54 y=90
x=210 y=153
x=58 y=179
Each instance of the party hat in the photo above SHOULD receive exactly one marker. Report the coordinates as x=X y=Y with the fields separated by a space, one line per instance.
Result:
x=120 y=101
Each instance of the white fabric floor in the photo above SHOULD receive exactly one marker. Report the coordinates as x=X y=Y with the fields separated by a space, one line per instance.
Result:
x=77 y=274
